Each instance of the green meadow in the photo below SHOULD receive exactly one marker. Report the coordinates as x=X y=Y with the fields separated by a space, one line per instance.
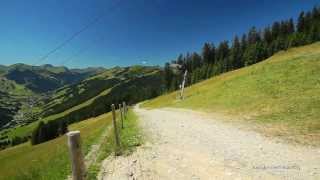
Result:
x=280 y=95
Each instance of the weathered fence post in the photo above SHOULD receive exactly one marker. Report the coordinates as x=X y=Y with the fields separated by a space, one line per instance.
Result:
x=116 y=134
x=121 y=109
x=77 y=163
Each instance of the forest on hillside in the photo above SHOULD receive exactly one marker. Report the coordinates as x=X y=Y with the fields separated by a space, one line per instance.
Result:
x=252 y=47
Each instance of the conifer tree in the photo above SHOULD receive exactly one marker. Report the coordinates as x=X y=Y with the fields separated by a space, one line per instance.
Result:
x=235 y=54
x=206 y=53
x=301 y=22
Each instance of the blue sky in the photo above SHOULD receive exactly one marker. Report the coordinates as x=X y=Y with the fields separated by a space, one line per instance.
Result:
x=129 y=31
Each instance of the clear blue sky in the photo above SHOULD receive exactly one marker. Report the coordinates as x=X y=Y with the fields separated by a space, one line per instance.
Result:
x=130 y=31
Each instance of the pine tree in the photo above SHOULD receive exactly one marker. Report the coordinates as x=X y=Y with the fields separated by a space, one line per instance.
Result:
x=63 y=127
x=301 y=23
x=168 y=76
x=196 y=60
x=208 y=57
x=253 y=36
x=180 y=59
x=38 y=134
x=290 y=27
x=243 y=42
x=267 y=35
x=206 y=53
x=250 y=55
x=235 y=54
x=283 y=28
x=244 y=46
x=222 y=55
x=222 y=51
x=314 y=34
x=316 y=13
x=308 y=23
x=212 y=57
x=275 y=30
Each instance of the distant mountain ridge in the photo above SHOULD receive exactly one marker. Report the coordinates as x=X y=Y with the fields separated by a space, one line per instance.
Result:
x=46 y=77
x=19 y=82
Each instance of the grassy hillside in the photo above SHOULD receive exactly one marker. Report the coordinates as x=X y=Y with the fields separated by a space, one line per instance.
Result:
x=112 y=85
x=50 y=160
x=20 y=81
x=281 y=95
x=90 y=97
x=72 y=95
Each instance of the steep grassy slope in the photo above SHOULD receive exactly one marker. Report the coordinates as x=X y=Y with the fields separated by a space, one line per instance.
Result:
x=281 y=94
x=107 y=84
x=72 y=95
x=50 y=160
x=93 y=96
x=19 y=81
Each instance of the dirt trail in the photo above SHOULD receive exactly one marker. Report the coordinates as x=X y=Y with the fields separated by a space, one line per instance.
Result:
x=187 y=145
x=92 y=155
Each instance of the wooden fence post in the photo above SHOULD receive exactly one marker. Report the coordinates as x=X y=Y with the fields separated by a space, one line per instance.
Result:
x=121 y=109
x=116 y=134
x=77 y=162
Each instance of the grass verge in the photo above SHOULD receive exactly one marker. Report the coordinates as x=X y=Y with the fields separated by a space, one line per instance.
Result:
x=130 y=137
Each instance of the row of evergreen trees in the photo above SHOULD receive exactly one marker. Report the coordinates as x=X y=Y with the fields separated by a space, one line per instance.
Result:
x=252 y=47
x=5 y=141
x=47 y=131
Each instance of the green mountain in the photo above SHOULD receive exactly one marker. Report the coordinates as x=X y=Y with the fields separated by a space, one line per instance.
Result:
x=46 y=78
x=92 y=97
x=116 y=83
x=21 y=87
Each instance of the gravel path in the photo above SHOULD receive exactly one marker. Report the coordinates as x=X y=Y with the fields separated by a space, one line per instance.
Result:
x=187 y=145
